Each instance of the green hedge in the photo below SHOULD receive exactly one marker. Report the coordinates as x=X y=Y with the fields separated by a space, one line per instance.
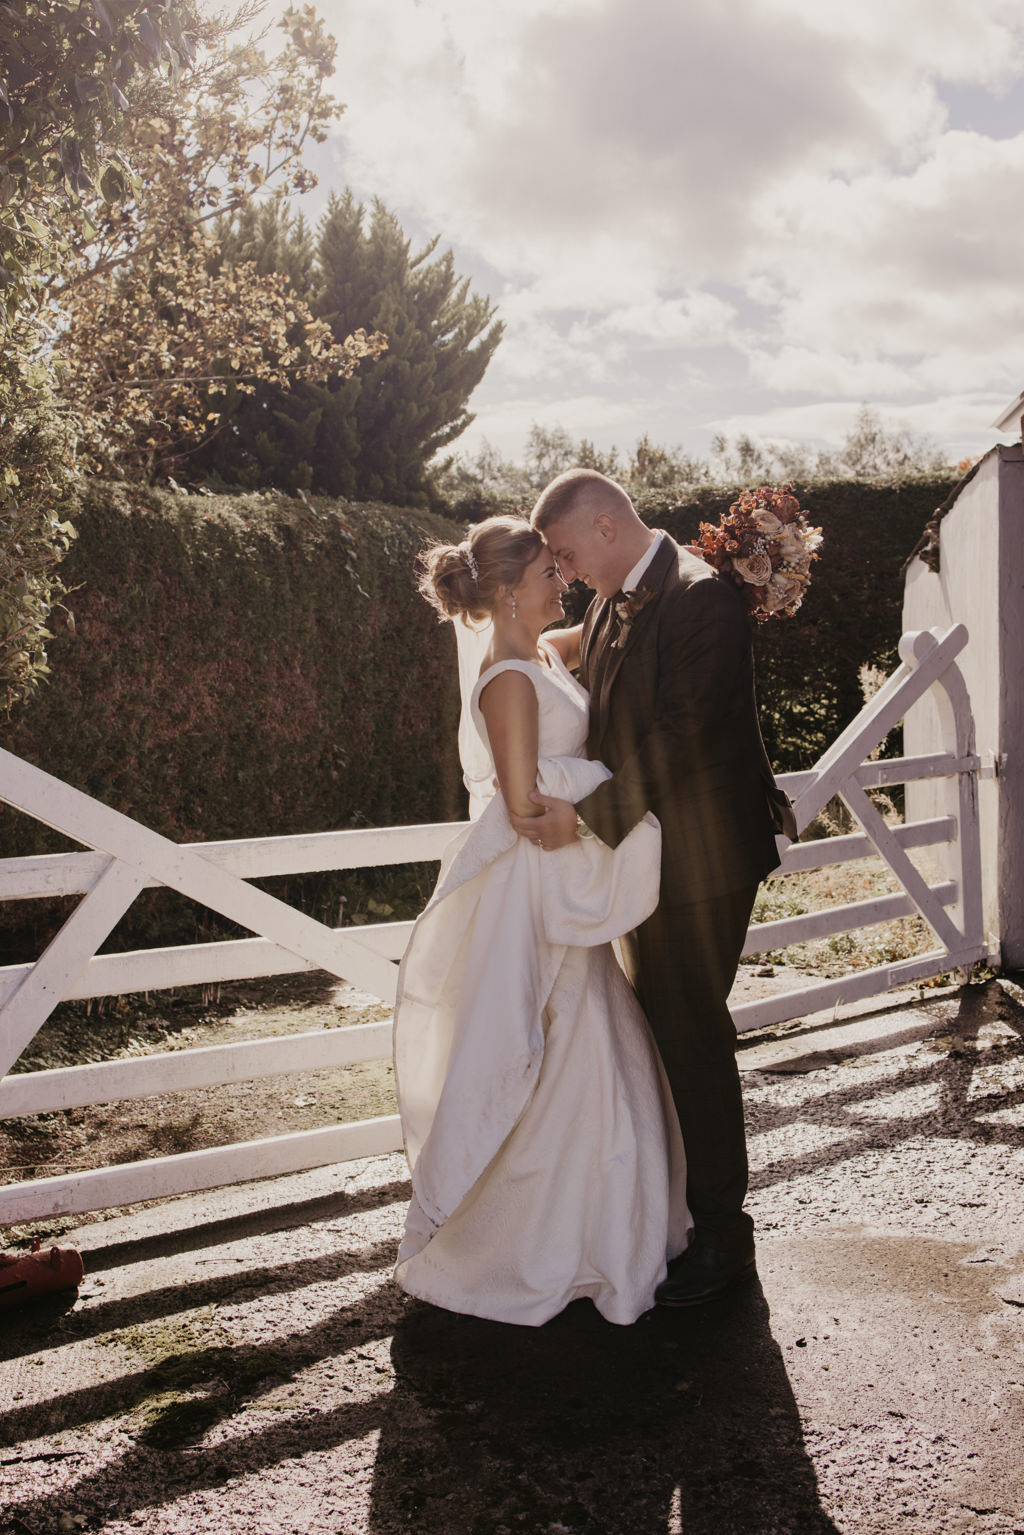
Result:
x=254 y=666
x=240 y=667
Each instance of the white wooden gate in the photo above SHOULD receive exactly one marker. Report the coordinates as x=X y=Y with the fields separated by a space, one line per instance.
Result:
x=127 y=857
x=953 y=908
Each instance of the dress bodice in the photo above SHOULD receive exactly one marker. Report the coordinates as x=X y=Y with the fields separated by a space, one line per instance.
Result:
x=563 y=705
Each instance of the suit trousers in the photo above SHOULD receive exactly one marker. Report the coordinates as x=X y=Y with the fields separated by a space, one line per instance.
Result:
x=682 y=962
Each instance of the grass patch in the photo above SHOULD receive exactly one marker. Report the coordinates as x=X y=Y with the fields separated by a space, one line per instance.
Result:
x=794 y=895
x=844 y=884
x=195 y=1378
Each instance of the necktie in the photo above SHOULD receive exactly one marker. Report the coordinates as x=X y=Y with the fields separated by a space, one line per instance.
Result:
x=616 y=616
x=604 y=644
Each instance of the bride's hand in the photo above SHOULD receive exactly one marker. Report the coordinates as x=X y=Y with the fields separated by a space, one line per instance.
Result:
x=555 y=828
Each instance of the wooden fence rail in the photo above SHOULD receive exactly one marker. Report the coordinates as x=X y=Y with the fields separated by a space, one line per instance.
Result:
x=127 y=858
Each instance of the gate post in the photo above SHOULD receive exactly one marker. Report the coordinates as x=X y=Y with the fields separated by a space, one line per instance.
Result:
x=969 y=569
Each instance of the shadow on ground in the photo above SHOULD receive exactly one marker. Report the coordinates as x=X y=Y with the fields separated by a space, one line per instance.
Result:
x=685 y=1420
x=250 y=1376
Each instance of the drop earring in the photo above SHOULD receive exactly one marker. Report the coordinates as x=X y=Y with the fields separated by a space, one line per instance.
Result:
x=513 y=607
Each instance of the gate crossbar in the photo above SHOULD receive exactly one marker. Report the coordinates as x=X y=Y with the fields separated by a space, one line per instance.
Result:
x=928 y=665
x=128 y=858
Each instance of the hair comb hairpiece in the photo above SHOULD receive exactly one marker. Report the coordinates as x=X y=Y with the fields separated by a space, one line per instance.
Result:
x=470 y=559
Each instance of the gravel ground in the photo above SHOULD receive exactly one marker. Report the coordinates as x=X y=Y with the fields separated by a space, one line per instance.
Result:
x=240 y=1361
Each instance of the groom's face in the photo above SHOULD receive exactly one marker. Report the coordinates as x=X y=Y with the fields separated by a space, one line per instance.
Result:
x=583 y=543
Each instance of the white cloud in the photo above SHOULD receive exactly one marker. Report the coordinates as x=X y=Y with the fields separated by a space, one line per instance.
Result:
x=644 y=125
x=980 y=42
x=617 y=163
x=655 y=322
x=959 y=421
x=797 y=370
x=504 y=422
x=912 y=270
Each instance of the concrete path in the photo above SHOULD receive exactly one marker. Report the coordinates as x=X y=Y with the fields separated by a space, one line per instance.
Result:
x=241 y=1361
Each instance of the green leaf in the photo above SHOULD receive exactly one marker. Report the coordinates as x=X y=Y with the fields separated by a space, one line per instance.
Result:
x=112 y=184
x=70 y=155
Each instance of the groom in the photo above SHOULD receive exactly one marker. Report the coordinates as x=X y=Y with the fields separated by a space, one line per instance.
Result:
x=667 y=659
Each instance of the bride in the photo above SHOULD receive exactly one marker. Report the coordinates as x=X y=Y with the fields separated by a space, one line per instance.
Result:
x=546 y=1157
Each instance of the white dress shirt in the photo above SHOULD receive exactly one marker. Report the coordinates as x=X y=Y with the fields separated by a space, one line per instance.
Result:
x=639 y=570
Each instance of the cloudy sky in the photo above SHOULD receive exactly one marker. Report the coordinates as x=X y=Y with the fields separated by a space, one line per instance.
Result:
x=708 y=215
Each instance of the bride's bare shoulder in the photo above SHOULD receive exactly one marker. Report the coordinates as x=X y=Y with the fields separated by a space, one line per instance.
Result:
x=505 y=688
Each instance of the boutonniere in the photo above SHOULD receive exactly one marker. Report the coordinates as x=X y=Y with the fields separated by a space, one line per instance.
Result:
x=627 y=610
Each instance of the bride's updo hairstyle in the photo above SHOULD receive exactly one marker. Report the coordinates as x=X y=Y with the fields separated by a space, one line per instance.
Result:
x=466 y=578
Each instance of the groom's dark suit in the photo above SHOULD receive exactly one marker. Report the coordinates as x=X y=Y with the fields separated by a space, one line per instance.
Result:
x=673 y=715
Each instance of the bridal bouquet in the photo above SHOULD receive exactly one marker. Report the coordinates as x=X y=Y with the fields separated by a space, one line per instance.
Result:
x=765 y=545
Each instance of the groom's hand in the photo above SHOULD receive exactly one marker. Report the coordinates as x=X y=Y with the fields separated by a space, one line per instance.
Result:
x=554 y=829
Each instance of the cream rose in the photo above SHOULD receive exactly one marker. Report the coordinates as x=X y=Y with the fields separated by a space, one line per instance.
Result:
x=767 y=521
x=756 y=569
x=781 y=591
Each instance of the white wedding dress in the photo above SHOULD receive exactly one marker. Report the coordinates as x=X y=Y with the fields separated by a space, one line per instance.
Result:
x=546 y=1157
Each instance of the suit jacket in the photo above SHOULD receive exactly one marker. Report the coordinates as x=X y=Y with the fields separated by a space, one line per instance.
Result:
x=674 y=716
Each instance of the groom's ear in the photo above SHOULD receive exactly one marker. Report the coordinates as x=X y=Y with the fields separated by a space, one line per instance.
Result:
x=604 y=527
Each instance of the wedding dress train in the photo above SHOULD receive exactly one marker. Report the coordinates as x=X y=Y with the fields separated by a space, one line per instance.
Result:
x=546 y=1157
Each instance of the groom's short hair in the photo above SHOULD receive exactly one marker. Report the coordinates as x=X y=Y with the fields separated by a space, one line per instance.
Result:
x=565 y=494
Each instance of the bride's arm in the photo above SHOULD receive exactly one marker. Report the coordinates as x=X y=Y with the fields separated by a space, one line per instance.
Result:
x=509 y=707
x=567 y=643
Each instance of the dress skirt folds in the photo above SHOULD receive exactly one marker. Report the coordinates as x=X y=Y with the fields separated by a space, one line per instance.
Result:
x=545 y=1152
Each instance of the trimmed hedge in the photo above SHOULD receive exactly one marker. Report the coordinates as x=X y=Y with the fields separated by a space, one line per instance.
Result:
x=243 y=666
x=247 y=666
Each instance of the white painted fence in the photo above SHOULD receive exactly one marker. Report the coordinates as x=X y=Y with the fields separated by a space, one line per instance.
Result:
x=953 y=907
x=127 y=857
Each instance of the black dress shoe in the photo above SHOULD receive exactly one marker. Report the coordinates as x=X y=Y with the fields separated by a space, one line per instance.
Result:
x=703 y=1272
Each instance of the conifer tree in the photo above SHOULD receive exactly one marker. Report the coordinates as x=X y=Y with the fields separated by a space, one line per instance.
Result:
x=369 y=436
x=267 y=234
x=271 y=434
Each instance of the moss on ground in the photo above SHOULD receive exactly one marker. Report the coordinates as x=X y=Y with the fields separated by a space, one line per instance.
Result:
x=195 y=1377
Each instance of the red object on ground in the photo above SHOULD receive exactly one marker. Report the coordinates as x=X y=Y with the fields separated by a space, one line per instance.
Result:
x=26 y=1275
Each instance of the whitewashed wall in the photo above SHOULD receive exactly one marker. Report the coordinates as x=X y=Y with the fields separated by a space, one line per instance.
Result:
x=980 y=583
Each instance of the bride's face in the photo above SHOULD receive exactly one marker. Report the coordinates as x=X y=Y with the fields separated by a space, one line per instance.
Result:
x=539 y=592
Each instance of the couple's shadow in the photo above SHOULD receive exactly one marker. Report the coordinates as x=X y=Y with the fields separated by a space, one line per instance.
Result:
x=685 y=1422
